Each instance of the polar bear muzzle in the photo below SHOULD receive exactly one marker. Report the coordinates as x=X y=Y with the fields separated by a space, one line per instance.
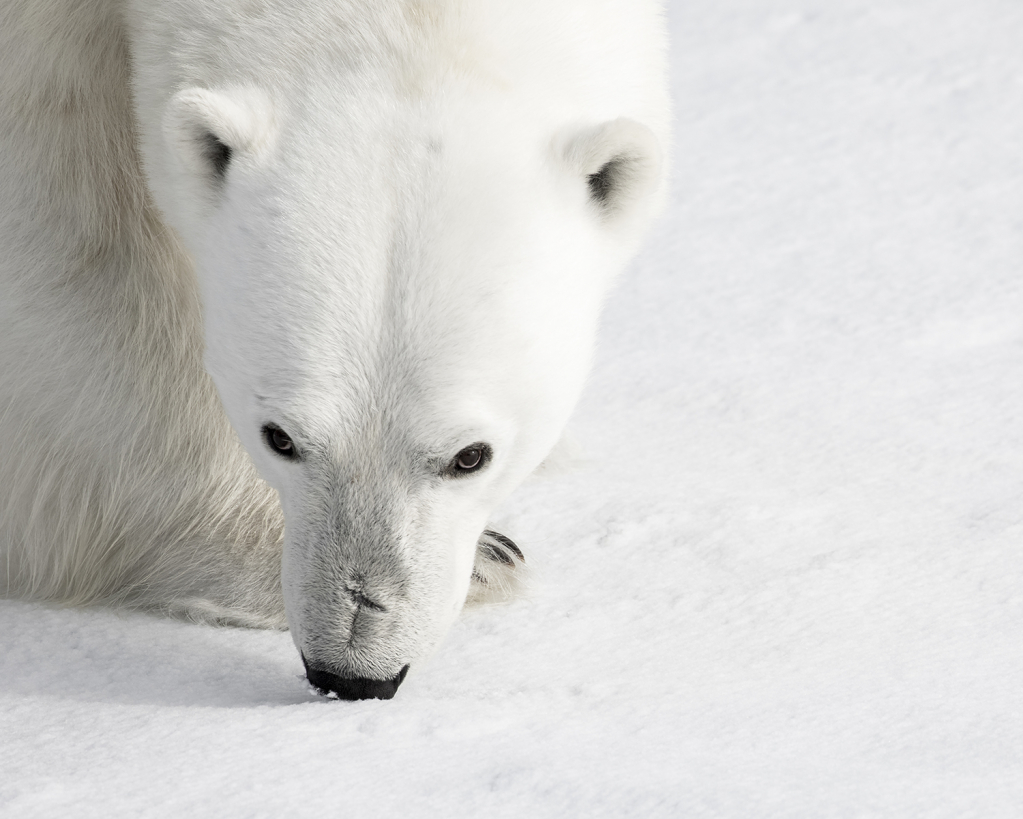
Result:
x=352 y=688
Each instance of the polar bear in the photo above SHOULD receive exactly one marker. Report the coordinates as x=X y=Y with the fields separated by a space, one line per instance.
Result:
x=295 y=292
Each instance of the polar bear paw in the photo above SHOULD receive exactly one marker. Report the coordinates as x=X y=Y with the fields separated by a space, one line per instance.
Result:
x=499 y=572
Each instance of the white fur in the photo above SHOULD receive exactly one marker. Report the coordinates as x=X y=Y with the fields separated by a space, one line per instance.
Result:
x=403 y=258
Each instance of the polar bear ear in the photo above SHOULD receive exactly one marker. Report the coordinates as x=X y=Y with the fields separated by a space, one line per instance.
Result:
x=620 y=161
x=207 y=129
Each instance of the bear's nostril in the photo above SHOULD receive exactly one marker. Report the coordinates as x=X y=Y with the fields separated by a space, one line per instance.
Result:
x=352 y=688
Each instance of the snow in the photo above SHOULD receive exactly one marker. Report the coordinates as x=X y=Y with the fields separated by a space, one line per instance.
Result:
x=788 y=579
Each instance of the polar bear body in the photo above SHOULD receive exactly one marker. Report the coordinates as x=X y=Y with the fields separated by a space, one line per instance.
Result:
x=311 y=279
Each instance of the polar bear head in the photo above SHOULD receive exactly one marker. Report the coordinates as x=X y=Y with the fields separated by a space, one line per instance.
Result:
x=401 y=260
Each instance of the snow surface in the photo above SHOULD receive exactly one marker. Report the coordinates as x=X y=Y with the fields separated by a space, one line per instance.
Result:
x=789 y=579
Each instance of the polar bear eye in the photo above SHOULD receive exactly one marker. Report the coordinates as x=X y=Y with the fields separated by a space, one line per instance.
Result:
x=471 y=459
x=279 y=441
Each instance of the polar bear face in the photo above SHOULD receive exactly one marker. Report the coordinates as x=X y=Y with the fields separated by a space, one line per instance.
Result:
x=400 y=298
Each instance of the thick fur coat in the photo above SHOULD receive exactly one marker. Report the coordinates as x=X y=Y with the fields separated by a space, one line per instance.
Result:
x=310 y=284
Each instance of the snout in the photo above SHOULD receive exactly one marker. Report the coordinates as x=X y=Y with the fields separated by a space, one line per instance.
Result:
x=352 y=688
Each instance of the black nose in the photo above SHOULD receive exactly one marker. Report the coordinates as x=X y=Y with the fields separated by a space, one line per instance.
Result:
x=352 y=688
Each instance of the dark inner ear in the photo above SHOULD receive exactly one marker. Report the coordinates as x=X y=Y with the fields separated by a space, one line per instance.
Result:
x=603 y=182
x=217 y=154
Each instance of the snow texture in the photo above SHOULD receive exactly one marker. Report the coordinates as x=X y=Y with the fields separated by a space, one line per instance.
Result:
x=788 y=579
